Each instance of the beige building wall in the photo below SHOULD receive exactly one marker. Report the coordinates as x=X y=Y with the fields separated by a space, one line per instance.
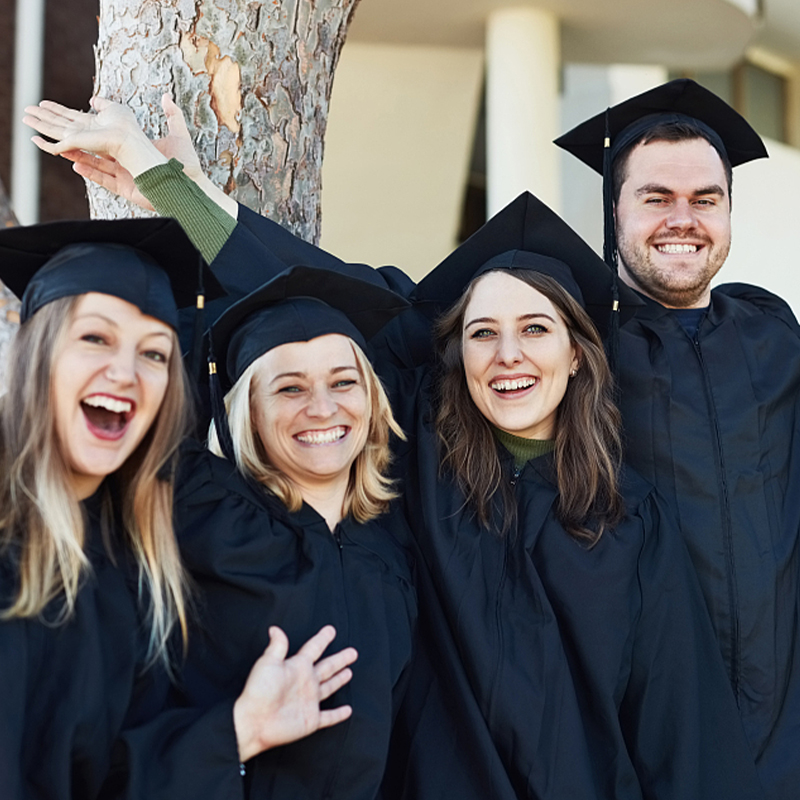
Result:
x=766 y=225
x=397 y=152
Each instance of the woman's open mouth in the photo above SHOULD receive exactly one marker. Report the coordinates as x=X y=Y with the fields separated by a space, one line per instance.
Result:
x=512 y=387
x=327 y=436
x=107 y=417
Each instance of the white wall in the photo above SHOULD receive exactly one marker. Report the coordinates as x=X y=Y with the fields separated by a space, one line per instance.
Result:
x=397 y=153
x=587 y=90
x=748 y=6
x=766 y=224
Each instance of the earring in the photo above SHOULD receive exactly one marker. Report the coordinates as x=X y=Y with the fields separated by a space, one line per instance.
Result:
x=573 y=373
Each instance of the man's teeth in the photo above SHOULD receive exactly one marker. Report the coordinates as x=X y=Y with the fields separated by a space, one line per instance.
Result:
x=677 y=249
x=109 y=403
x=512 y=385
x=322 y=437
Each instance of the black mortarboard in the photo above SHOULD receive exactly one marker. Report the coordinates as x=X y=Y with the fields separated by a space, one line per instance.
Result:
x=599 y=140
x=682 y=98
x=298 y=305
x=526 y=234
x=148 y=262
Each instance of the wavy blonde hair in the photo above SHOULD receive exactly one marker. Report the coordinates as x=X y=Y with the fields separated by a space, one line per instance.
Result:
x=369 y=490
x=41 y=520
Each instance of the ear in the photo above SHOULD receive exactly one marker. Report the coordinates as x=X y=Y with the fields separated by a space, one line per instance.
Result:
x=577 y=357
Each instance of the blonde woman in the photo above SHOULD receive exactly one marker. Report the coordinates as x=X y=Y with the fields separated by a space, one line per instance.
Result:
x=92 y=583
x=294 y=527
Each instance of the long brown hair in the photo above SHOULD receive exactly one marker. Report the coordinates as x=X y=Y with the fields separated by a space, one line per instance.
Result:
x=40 y=517
x=369 y=490
x=587 y=452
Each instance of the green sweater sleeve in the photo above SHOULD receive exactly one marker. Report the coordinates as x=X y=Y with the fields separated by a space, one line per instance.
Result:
x=175 y=195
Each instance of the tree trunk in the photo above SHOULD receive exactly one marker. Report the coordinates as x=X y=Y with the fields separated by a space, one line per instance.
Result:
x=254 y=79
x=9 y=304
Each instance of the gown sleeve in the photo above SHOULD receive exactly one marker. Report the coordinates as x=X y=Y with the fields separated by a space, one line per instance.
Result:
x=14 y=678
x=678 y=713
x=645 y=660
x=181 y=753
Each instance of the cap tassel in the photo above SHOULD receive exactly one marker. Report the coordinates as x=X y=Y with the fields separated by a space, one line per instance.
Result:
x=199 y=324
x=610 y=249
x=609 y=234
x=613 y=327
x=218 y=410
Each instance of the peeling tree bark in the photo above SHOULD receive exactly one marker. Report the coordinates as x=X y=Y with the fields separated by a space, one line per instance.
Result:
x=254 y=79
x=9 y=304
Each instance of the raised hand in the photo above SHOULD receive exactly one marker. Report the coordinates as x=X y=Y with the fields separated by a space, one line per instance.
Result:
x=110 y=131
x=280 y=701
x=107 y=147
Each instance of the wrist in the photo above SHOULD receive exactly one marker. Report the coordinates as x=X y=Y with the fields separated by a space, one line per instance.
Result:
x=137 y=155
x=244 y=731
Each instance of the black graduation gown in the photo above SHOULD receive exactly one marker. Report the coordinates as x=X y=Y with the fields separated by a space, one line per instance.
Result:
x=714 y=424
x=256 y=564
x=657 y=715
x=66 y=688
x=510 y=639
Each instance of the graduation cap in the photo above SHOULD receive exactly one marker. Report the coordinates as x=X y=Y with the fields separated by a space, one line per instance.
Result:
x=598 y=141
x=148 y=262
x=526 y=234
x=298 y=305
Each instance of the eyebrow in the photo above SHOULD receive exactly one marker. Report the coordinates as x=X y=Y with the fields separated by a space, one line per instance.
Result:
x=334 y=371
x=88 y=314
x=521 y=318
x=657 y=188
x=114 y=323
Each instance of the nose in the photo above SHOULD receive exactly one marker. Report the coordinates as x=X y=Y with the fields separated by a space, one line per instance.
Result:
x=321 y=404
x=121 y=368
x=681 y=215
x=508 y=350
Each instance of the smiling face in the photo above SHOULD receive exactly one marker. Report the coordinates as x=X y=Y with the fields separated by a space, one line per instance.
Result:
x=109 y=378
x=311 y=411
x=673 y=221
x=518 y=355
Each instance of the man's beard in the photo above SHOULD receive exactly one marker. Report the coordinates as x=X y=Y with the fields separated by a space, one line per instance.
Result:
x=674 y=289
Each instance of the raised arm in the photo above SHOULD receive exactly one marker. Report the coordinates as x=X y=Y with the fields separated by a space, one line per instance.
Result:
x=108 y=147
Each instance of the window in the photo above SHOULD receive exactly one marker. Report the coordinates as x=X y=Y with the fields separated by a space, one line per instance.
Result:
x=758 y=94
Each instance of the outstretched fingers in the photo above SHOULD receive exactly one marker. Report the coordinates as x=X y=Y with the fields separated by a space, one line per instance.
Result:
x=329 y=666
x=334 y=683
x=334 y=716
x=318 y=643
x=51 y=120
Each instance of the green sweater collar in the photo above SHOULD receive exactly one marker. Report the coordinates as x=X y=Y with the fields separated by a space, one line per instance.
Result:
x=521 y=448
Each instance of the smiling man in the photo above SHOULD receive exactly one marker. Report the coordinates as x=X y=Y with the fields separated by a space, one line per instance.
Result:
x=709 y=388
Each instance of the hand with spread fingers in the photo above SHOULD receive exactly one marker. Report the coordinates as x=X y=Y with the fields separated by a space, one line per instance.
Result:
x=108 y=147
x=280 y=701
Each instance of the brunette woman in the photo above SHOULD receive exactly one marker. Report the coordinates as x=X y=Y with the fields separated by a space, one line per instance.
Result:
x=549 y=577
x=91 y=579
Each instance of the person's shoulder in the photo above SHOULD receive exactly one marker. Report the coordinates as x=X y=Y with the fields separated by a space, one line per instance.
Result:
x=747 y=299
x=635 y=489
x=206 y=477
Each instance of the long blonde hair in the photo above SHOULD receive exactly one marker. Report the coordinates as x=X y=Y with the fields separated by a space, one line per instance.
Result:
x=41 y=520
x=369 y=490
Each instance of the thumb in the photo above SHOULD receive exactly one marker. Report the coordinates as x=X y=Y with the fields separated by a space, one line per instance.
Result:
x=278 y=645
x=176 y=122
x=100 y=103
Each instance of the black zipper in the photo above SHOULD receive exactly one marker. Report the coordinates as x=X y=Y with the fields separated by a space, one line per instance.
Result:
x=727 y=531
x=344 y=727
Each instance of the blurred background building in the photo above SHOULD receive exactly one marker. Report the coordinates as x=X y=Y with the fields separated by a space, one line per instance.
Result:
x=444 y=110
